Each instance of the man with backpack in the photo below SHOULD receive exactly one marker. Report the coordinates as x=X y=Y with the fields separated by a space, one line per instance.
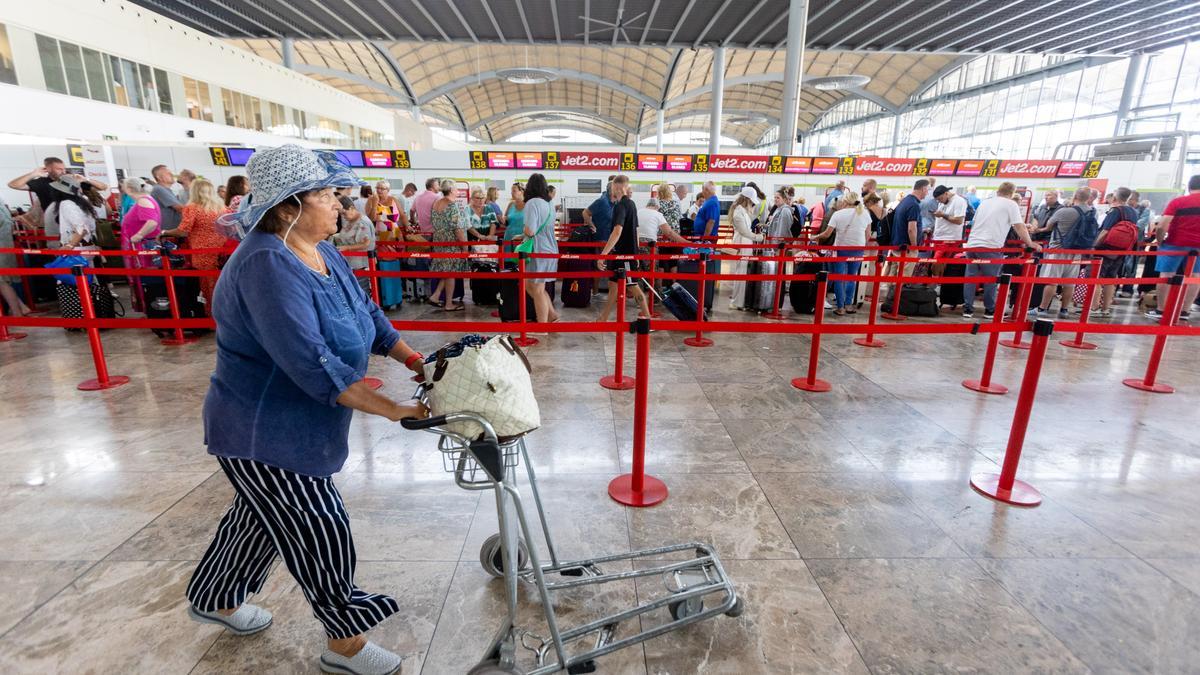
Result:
x=1118 y=233
x=1068 y=228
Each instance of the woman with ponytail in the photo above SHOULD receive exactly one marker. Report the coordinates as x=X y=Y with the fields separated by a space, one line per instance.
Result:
x=849 y=226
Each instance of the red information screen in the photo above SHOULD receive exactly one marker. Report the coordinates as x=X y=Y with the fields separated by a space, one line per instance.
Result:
x=797 y=165
x=969 y=167
x=529 y=160
x=1028 y=168
x=1071 y=169
x=649 y=162
x=378 y=159
x=500 y=160
x=679 y=162
x=825 y=165
x=942 y=167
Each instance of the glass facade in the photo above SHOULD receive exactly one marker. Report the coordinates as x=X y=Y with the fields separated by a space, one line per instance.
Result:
x=8 y=72
x=1028 y=117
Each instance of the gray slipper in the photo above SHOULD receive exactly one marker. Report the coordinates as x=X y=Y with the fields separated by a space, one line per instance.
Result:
x=370 y=660
x=247 y=620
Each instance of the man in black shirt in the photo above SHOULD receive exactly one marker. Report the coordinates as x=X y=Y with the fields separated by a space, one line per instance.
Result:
x=623 y=241
x=38 y=182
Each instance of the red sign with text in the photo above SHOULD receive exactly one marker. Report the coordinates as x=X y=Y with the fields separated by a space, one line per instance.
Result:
x=969 y=167
x=1028 y=168
x=1071 y=169
x=825 y=165
x=649 y=162
x=884 y=166
x=679 y=163
x=738 y=163
x=797 y=165
x=582 y=161
x=942 y=167
x=529 y=160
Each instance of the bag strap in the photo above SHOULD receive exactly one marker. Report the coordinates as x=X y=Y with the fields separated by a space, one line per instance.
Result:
x=440 y=369
x=513 y=348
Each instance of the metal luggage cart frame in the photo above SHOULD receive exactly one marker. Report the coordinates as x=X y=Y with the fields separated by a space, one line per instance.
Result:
x=489 y=463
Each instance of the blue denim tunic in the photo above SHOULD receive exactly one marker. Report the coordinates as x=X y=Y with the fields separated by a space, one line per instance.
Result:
x=289 y=342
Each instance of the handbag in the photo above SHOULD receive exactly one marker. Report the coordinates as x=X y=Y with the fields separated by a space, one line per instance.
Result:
x=67 y=262
x=527 y=245
x=488 y=377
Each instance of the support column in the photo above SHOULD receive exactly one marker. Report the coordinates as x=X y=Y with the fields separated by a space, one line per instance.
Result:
x=793 y=70
x=288 y=47
x=659 y=125
x=896 y=127
x=416 y=114
x=718 y=100
x=1133 y=78
x=637 y=141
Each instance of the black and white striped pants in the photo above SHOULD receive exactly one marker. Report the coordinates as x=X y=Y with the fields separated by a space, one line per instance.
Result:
x=301 y=519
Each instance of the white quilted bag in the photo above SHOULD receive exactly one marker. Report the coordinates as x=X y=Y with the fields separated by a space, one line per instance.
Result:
x=492 y=381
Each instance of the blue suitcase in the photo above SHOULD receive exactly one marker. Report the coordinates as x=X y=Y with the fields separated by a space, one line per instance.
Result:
x=678 y=301
x=391 y=289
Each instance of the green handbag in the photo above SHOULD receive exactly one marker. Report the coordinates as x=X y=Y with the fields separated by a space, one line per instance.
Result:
x=527 y=245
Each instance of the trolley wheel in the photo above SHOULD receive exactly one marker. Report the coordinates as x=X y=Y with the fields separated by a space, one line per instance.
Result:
x=491 y=557
x=737 y=609
x=492 y=667
x=682 y=609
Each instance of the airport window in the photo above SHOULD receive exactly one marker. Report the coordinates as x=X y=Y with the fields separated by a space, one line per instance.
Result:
x=163 y=86
x=8 y=72
x=72 y=61
x=52 y=66
x=588 y=186
x=199 y=101
x=98 y=82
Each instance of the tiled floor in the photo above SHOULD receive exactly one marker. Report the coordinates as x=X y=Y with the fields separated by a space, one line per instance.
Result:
x=845 y=517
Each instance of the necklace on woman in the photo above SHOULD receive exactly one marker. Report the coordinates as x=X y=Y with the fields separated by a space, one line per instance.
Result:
x=314 y=263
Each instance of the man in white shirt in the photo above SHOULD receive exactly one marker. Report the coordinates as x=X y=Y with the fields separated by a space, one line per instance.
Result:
x=949 y=216
x=652 y=225
x=994 y=218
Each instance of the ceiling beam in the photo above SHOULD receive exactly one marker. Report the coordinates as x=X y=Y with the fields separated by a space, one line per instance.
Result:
x=662 y=103
x=495 y=24
x=1057 y=28
x=524 y=20
x=945 y=70
x=568 y=74
x=711 y=22
x=587 y=25
x=598 y=130
x=355 y=78
x=295 y=12
x=915 y=19
x=400 y=19
x=770 y=27
x=1118 y=25
x=865 y=8
x=383 y=51
x=868 y=25
x=542 y=109
x=436 y=26
x=813 y=17
x=955 y=27
x=554 y=18
x=463 y=20
x=163 y=8
x=742 y=24
x=617 y=27
x=1045 y=19
x=649 y=21
x=686 y=12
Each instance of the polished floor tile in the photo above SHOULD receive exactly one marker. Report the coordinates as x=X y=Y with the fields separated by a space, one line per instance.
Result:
x=30 y=584
x=1117 y=616
x=925 y=616
x=685 y=446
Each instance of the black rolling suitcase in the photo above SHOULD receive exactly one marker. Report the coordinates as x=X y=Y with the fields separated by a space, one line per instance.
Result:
x=485 y=291
x=750 y=299
x=950 y=294
x=577 y=292
x=510 y=292
x=158 y=303
x=803 y=294
x=692 y=286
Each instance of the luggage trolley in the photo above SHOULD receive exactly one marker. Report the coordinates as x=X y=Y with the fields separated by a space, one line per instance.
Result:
x=488 y=463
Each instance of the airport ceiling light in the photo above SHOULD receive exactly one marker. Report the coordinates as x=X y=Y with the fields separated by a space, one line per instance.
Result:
x=748 y=119
x=837 y=82
x=556 y=137
x=527 y=75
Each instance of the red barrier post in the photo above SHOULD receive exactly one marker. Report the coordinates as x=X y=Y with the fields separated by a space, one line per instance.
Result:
x=103 y=380
x=893 y=315
x=1088 y=295
x=873 y=316
x=984 y=384
x=27 y=287
x=172 y=297
x=1021 y=309
x=6 y=336
x=523 y=340
x=373 y=266
x=618 y=380
x=636 y=488
x=1005 y=487
x=699 y=340
x=1170 y=317
x=776 y=314
x=810 y=382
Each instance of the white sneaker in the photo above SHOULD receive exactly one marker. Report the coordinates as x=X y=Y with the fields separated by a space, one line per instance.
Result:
x=370 y=660
x=247 y=620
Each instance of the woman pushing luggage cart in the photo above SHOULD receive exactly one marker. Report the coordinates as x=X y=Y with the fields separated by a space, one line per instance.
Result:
x=490 y=463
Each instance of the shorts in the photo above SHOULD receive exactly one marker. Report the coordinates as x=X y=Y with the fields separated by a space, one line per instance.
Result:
x=1064 y=266
x=1169 y=264
x=629 y=266
x=1111 y=268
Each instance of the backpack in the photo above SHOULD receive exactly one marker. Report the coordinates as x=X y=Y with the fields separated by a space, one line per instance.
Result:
x=970 y=215
x=884 y=236
x=1124 y=235
x=1083 y=235
x=798 y=219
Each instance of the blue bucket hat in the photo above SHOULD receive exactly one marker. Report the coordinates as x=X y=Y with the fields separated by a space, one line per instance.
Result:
x=276 y=174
